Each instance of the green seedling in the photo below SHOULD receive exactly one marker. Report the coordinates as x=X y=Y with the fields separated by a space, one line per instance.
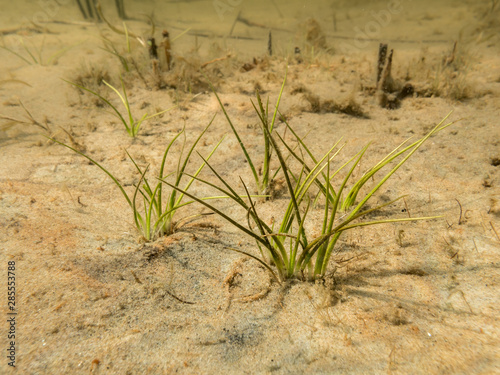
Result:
x=8 y=81
x=156 y=218
x=289 y=251
x=332 y=227
x=263 y=179
x=122 y=57
x=128 y=34
x=131 y=125
x=28 y=120
x=350 y=198
x=34 y=55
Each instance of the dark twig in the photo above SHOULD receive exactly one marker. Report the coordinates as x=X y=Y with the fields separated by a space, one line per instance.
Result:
x=406 y=206
x=385 y=81
x=475 y=245
x=494 y=230
x=178 y=299
x=382 y=56
x=153 y=49
x=460 y=218
x=449 y=60
x=168 y=48
x=270 y=43
x=458 y=291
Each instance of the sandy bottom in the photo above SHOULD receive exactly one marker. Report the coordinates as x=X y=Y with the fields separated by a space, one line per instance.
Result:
x=401 y=298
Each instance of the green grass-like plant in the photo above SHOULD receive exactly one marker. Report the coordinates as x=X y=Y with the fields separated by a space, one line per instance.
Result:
x=34 y=54
x=131 y=124
x=110 y=47
x=287 y=250
x=264 y=178
x=156 y=218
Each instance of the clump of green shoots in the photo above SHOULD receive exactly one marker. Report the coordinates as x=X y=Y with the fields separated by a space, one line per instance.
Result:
x=156 y=218
x=262 y=177
x=131 y=125
x=123 y=57
x=288 y=250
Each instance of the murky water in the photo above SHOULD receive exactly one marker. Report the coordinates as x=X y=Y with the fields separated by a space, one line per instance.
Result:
x=277 y=27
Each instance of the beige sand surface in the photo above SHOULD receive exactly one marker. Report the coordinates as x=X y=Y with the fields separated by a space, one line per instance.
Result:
x=92 y=297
